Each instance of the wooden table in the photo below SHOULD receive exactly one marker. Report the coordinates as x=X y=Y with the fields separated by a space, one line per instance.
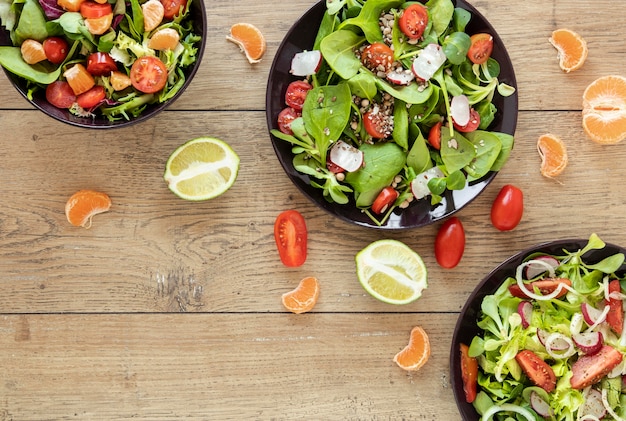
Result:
x=167 y=309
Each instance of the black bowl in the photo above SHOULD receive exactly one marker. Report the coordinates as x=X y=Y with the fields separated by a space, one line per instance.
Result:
x=466 y=327
x=301 y=37
x=198 y=14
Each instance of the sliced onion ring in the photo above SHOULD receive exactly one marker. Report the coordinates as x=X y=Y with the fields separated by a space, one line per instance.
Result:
x=551 y=346
x=605 y=402
x=531 y=294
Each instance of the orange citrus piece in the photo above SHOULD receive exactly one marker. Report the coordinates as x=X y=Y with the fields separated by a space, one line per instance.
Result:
x=84 y=204
x=153 y=12
x=416 y=353
x=79 y=78
x=304 y=297
x=249 y=39
x=571 y=47
x=32 y=51
x=553 y=155
x=164 y=39
x=99 y=26
x=604 y=110
x=119 y=81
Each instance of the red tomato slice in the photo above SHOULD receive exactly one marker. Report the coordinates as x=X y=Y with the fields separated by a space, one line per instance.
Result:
x=590 y=369
x=469 y=374
x=537 y=370
x=615 y=316
x=434 y=135
x=100 y=64
x=285 y=117
x=544 y=286
x=296 y=94
x=385 y=198
x=56 y=49
x=450 y=243
x=148 y=74
x=375 y=125
x=60 y=94
x=92 y=97
x=92 y=10
x=413 y=21
x=471 y=125
x=376 y=55
x=481 y=48
x=290 y=233
x=507 y=208
x=173 y=8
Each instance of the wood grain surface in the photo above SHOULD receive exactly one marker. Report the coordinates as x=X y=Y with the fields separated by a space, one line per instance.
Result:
x=167 y=309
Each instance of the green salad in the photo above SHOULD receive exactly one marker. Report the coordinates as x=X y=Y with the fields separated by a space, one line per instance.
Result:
x=552 y=341
x=394 y=104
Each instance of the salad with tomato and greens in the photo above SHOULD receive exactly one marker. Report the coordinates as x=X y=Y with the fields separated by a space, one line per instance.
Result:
x=552 y=341
x=100 y=58
x=393 y=104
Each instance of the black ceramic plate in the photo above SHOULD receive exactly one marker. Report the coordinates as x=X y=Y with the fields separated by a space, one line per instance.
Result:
x=466 y=327
x=39 y=99
x=301 y=37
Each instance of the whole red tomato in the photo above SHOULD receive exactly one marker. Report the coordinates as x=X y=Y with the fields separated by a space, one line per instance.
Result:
x=450 y=243
x=507 y=208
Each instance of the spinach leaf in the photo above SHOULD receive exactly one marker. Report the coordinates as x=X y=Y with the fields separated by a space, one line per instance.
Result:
x=326 y=112
x=333 y=190
x=334 y=6
x=338 y=51
x=327 y=26
x=367 y=19
x=487 y=148
x=420 y=112
x=400 y=133
x=363 y=85
x=11 y=59
x=456 y=151
x=456 y=180
x=32 y=23
x=411 y=94
x=382 y=162
x=418 y=157
x=441 y=12
x=506 y=141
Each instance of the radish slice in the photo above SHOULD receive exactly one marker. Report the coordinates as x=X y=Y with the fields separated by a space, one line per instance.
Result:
x=460 y=110
x=525 y=310
x=400 y=77
x=588 y=342
x=419 y=185
x=539 y=405
x=428 y=61
x=592 y=315
x=593 y=406
x=346 y=156
x=306 y=63
x=540 y=265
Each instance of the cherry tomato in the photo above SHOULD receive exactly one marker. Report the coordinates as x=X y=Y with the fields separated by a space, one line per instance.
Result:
x=285 y=117
x=434 y=135
x=450 y=243
x=56 y=49
x=413 y=21
x=173 y=8
x=290 y=233
x=537 y=370
x=60 y=94
x=480 y=48
x=91 y=10
x=334 y=168
x=507 y=208
x=385 y=198
x=469 y=374
x=471 y=125
x=376 y=55
x=296 y=94
x=375 y=125
x=148 y=74
x=92 y=97
x=100 y=64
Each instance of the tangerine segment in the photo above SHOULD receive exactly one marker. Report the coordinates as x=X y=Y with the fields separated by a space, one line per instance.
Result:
x=553 y=155
x=571 y=47
x=304 y=297
x=249 y=39
x=416 y=353
x=604 y=110
x=83 y=205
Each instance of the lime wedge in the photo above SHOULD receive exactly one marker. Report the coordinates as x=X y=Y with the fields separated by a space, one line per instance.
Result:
x=391 y=272
x=201 y=169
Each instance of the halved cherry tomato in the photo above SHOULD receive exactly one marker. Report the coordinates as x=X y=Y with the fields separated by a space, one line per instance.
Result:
x=375 y=125
x=290 y=234
x=469 y=374
x=615 y=316
x=507 y=208
x=92 y=10
x=56 y=49
x=173 y=8
x=148 y=74
x=334 y=168
x=285 y=117
x=537 y=370
x=481 y=48
x=544 y=286
x=296 y=94
x=434 y=135
x=60 y=94
x=413 y=21
x=100 y=64
x=450 y=243
x=92 y=97
x=471 y=125
x=385 y=198
x=376 y=55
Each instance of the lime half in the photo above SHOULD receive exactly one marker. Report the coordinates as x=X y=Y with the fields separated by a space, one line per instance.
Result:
x=201 y=169
x=391 y=272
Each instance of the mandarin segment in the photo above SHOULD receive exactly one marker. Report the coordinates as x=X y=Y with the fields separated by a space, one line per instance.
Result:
x=416 y=353
x=304 y=297
x=571 y=48
x=32 y=51
x=553 y=155
x=83 y=205
x=604 y=110
x=250 y=39
x=153 y=12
